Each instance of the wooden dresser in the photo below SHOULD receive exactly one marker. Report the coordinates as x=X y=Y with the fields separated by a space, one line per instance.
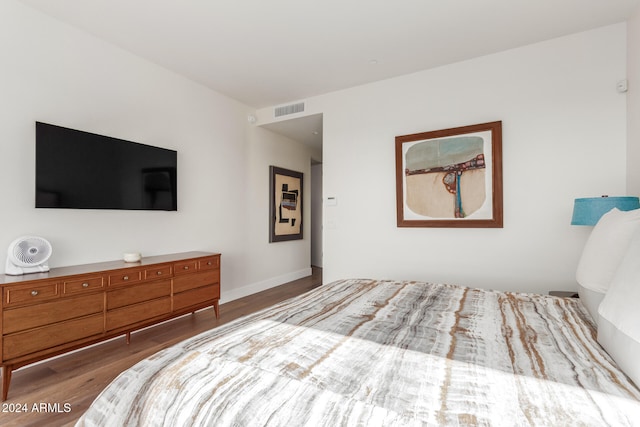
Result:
x=47 y=314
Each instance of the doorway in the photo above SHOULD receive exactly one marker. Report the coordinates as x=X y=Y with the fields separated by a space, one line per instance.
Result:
x=316 y=214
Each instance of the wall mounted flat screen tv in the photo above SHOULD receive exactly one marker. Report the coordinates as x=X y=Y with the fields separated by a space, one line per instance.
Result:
x=81 y=170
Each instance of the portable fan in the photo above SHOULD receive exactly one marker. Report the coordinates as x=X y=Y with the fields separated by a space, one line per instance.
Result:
x=28 y=254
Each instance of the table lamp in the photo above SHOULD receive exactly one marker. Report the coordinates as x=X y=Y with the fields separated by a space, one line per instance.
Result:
x=588 y=210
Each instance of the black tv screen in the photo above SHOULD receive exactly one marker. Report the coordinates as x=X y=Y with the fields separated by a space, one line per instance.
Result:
x=82 y=170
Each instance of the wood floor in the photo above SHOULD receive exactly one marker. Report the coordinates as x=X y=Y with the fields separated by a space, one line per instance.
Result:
x=58 y=391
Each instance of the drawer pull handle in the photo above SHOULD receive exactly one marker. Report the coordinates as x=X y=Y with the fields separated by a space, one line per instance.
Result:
x=34 y=293
x=209 y=263
x=159 y=273
x=125 y=278
x=186 y=267
x=85 y=285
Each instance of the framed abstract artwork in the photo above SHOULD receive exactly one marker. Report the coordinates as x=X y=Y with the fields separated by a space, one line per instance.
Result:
x=285 y=216
x=450 y=177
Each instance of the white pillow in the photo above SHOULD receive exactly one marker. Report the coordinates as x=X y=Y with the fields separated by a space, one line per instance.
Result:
x=605 y=249
x=619 y=316
x=591 y=300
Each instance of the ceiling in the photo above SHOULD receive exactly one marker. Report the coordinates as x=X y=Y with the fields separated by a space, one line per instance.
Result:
x=265 y=53
x=307 y=129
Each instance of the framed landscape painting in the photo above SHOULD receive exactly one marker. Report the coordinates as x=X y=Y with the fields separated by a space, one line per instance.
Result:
x=450 y=177
x=285 y=216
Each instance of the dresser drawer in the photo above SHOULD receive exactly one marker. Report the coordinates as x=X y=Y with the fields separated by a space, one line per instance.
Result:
x=23 y=343
x=138 y=293
x=70 y=287
x=202 y=278
x=158 y=272
x=125 y=277
x=30 y=294
x=210 y=263
x=196 y=297
x=33 y=316
x=185 y=267
x=132 y=314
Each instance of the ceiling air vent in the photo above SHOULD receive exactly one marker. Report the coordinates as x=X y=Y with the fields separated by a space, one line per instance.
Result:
x=289 y=109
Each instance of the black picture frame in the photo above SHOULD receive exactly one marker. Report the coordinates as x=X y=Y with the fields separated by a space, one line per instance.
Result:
x=285 y=199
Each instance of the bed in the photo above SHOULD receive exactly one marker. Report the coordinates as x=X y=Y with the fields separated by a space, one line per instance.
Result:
x=383 y=353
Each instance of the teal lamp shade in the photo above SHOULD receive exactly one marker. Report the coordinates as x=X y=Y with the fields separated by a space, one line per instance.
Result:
x=587 y=211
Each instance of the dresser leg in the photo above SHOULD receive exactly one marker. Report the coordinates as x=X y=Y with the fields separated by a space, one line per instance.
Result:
x=128 y=337
x=6 y=380
x=216 y=309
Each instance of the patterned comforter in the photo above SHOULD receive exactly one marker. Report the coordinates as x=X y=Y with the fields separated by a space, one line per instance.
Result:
x=382 y=353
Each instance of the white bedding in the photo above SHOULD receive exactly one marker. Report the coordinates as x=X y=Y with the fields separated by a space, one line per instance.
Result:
x=371 y=352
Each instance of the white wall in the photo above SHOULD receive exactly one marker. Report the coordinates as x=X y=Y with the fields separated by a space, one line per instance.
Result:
x=271 y=264
x=633 y=104
x=564 y=136
x=54 y=73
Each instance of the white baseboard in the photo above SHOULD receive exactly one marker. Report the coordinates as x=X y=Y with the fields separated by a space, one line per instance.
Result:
x=263 y=285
